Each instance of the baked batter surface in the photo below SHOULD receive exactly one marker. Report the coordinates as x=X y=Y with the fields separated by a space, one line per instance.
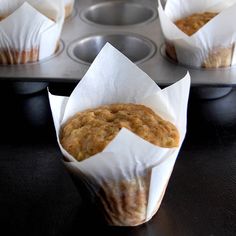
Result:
x=88 y=132
x=191 y=24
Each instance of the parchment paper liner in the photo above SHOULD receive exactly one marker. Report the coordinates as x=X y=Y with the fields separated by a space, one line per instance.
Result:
x=36 y=31
x=210 y=46
x=128 y=163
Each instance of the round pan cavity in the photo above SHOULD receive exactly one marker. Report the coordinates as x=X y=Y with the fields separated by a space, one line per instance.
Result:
x=137 y=48
x=118 y=13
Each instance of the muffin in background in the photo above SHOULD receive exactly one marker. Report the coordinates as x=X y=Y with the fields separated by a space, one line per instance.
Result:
x=199 y=35
x=220 y=57
x=36 y=31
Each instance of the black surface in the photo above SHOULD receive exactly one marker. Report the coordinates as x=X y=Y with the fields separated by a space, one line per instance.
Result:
x=39 y=197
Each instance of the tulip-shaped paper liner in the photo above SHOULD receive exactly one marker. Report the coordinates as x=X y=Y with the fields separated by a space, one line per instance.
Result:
x=213 y=44
x=132 y=174
x=36 y=31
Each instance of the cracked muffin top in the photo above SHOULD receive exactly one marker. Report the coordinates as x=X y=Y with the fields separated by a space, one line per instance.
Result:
x=88 y=132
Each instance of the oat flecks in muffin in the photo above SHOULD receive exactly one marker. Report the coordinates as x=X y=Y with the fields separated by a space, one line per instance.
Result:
x=89 y=132
x=191 y=24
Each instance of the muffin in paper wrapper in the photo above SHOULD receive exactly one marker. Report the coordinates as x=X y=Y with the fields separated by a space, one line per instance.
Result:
x=213 y=45
x=36 y=32
x=130 y=175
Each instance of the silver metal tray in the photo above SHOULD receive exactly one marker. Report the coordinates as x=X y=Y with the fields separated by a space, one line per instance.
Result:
x=131 y=26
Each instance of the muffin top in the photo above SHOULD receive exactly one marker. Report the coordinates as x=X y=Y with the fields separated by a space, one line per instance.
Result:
x=88 y=132
x=191 y=24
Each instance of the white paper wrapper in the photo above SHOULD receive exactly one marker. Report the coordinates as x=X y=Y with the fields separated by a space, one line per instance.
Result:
x=129 y=167
x=36 y=31
x=213 y=41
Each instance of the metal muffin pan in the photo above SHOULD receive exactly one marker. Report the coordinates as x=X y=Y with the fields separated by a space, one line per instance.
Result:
x=135 y=47
x=132 y=27
x=117 y=13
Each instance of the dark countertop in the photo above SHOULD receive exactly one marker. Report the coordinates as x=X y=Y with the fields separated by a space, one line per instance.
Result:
x=39 y=197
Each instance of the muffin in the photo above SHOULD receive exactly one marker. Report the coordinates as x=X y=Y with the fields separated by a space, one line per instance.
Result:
x=38 y=39
x=89 y=132
x=123 y=200
x=69 y=5
x=218 y=57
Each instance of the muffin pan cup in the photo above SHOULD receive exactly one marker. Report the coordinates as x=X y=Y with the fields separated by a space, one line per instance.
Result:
x=138 y=36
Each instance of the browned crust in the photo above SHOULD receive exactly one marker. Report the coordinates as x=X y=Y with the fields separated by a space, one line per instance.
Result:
x=2 y=17
x=170 y=51
x=88 y=132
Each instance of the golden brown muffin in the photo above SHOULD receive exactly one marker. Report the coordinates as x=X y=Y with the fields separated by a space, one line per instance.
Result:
x=191 y=24
x=219 y=57
x=88 y=132
x=123 y=201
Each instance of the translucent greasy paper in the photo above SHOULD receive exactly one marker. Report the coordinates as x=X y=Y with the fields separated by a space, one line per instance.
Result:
x=113 y=78
x=219 y=33
x=69 y=4
x=37 y=28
